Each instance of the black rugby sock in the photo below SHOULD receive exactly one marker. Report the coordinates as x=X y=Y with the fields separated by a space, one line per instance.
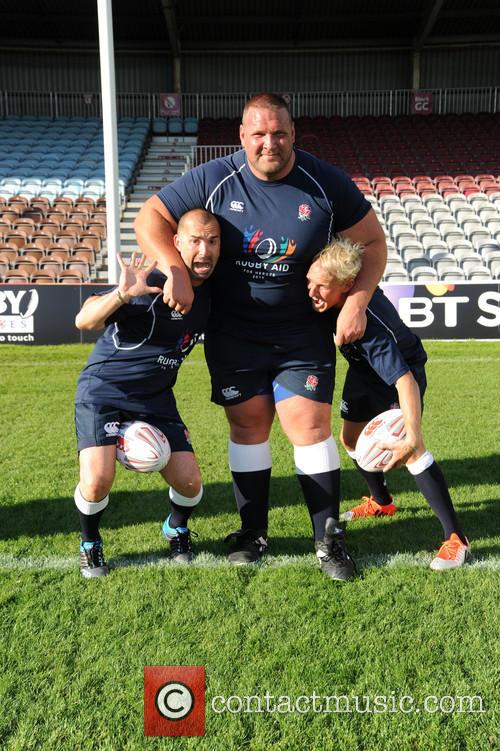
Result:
x=322 y=495
x=89 y=525
x=432 y=485
x=376 y=485
x=251 y=490
x=89 y=522
x=179 y=515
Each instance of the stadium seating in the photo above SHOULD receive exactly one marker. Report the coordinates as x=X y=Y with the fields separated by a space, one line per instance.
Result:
x=54 y=158
x=51 y=186
x=45 y=239
x=434 y=183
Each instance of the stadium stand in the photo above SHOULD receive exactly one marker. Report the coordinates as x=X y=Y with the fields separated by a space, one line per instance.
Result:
x=52 y=192
x=434 y=183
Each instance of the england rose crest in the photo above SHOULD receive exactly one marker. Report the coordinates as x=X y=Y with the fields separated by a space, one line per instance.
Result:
x=311 y=383
x=304 y=212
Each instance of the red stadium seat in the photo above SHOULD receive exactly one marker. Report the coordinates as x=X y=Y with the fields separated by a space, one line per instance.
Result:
x=85 y=255
x=16 y=277
x=42 y=277
x=72 y=276
x=58 y=254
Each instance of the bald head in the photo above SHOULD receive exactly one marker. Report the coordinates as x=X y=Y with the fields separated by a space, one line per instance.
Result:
x=200 y=216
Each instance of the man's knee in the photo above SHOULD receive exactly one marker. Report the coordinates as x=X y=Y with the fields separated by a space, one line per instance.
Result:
x=189 y=485
x=250 y=422
x=183 y=474
x=97 y=471
x=304 y=421
x=95 y=486
x=349 y=434
x=346 y=442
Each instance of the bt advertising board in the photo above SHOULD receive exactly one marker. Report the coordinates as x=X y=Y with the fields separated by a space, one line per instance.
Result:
x=46 y=314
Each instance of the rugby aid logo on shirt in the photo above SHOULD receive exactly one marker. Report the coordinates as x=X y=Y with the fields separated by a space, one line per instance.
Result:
x=185 y=342
x=182 y=348
x=267 y=249
x=174 y=700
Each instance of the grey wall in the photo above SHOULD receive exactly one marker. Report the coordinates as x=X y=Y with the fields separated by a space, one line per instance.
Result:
x=79 y=71
x=300 y=72
x=355 y=71
x=456 y=67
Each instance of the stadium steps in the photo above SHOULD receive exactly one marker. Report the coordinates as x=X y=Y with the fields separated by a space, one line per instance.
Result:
x=166 y=159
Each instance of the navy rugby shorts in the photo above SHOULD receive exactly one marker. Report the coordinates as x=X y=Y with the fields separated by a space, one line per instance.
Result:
x=241 y=369
x=366 y=395
x=97 y=425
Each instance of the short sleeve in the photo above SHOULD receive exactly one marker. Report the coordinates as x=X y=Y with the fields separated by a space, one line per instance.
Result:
x=384 y=356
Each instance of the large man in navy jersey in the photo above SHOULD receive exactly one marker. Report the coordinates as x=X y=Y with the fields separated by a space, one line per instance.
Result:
x=386 y=370
x=130 y=375
x=266 y=350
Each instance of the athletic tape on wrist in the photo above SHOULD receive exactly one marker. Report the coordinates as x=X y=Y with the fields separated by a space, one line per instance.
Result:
x=422 y=463
x=182 y=500
x=351 y=454
x=318 y=458
x=87 y=507
x=249 y=458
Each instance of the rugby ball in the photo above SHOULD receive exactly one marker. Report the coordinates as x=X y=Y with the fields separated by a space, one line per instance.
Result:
x=141 y=447
x=388 y=427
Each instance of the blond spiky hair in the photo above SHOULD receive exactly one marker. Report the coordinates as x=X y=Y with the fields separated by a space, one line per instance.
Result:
x=341 y=259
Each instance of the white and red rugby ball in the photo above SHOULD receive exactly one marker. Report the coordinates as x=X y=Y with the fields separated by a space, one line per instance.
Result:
x=142 y=447
x=388 y=427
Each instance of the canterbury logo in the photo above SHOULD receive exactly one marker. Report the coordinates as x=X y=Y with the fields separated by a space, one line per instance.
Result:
x=111 y=428
x=231 y=392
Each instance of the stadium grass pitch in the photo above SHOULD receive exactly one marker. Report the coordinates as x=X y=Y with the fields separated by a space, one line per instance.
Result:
x=73 y=651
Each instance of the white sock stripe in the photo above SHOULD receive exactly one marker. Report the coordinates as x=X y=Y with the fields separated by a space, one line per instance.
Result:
x=318 y=458
x=87 y=507
x=249 y=458
x=423 y=463
x=182 y=500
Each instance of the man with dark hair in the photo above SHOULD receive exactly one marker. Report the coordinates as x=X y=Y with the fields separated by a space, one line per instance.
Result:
x=266 y=350
x=130 y=375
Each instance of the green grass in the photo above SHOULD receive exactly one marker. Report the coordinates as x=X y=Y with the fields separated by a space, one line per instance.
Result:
x=72 y=652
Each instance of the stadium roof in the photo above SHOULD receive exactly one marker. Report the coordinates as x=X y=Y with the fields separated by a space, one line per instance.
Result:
x=189 y=26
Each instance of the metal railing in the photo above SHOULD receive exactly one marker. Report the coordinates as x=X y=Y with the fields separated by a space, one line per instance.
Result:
x=229 y=105
x=201 y=154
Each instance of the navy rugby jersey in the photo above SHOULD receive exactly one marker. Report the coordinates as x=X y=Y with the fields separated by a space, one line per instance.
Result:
x=270 y=232
x=388 y=346
x=135 y=361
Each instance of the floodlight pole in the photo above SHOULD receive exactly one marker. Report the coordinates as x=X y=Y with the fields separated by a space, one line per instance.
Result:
x=108 y=97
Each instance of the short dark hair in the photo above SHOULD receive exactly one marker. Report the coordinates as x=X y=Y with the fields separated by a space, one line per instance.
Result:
x=267 y=101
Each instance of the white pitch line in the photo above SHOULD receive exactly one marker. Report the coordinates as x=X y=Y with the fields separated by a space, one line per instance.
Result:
x=207 y=560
